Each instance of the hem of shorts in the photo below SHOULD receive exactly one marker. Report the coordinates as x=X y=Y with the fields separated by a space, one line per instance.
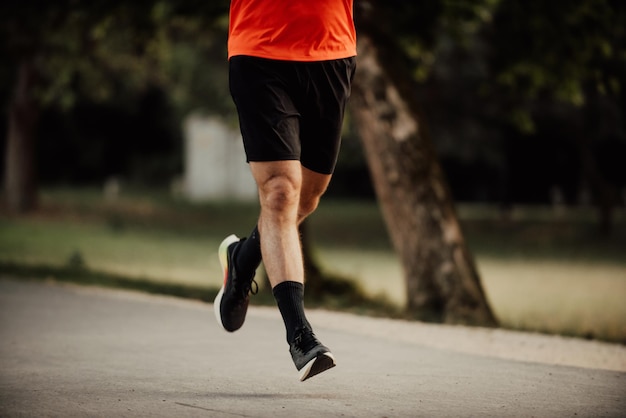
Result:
x=316 y=169
x=272 y=159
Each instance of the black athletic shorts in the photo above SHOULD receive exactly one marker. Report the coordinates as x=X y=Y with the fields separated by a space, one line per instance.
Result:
x=291 y=110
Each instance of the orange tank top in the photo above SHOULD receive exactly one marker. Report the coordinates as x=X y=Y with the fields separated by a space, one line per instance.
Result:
x=292 y=30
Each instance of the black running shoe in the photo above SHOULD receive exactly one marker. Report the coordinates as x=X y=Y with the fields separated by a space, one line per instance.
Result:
x=309 y=355
x=231 y=302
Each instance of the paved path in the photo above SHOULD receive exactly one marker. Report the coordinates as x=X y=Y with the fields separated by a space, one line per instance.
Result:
x=70 y=351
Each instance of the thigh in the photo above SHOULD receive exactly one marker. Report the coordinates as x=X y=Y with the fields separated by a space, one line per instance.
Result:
x=268 y=117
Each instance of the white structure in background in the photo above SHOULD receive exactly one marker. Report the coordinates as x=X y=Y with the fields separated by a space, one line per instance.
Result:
x=215 y=166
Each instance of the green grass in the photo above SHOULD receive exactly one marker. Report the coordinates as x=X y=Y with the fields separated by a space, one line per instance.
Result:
x=151 y=253
x=541 y=272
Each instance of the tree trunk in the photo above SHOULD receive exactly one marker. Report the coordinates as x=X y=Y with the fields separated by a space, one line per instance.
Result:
x=442 y=282
x=19 y=176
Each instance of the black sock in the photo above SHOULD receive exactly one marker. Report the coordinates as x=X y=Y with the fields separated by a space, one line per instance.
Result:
x=249 y=254
x=290 y=299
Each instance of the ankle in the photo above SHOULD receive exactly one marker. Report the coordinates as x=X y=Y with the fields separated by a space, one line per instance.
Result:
x=289 y=296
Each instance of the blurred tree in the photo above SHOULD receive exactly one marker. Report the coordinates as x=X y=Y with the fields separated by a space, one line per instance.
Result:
x=63 y=50
x=563 y=58
x=396 y=38
x=521 y=57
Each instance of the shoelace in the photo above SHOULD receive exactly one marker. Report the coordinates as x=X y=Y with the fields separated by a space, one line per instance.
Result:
x=253 y=289
x=305 y=340
x=244 y=288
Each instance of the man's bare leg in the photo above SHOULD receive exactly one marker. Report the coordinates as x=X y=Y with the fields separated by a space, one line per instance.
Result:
x=279 y=184
x=288 y=193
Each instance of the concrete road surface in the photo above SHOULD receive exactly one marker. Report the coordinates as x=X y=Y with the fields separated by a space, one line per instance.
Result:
x=71 y=351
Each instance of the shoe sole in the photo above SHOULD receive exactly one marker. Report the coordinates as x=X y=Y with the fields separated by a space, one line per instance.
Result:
x=222 y=254
x=317 y=365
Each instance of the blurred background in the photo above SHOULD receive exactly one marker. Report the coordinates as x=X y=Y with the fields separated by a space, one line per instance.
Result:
x=122 y=161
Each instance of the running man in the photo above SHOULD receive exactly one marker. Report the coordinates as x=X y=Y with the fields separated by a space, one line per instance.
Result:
x=291 y=64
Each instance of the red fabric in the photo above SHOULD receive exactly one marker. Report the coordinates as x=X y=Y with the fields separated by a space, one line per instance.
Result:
x=293 y=30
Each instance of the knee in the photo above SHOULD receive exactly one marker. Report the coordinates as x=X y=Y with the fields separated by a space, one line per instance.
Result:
x=279 y=194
